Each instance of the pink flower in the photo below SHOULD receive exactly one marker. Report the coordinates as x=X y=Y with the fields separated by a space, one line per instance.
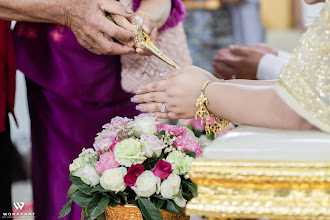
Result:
x=162 y=169
x=106 y=161
x=133 y=173
x=187 y=143
x=173 y=129
x=105 y=141
x=117 y=123
x=195 y=123
x=151 y=144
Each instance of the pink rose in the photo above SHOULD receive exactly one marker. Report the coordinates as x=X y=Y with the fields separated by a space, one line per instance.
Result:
x=230 y=127
x=106 y=161
x=187 y=143
x=104 y=141
x=133 y=173
x=173 y=129
x=162 y=169
x=195 y=123
x=151 y=144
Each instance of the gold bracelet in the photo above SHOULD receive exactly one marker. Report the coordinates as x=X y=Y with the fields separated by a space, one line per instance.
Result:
x=202 y=102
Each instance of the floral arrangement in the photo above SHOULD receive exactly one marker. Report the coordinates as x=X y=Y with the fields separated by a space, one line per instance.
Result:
x=198 y=127
x=140 y=162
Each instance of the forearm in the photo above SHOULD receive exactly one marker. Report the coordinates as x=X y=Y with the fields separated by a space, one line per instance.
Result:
x=159 y=10
x=50 y=11
x=253 y=105
x=252 y=82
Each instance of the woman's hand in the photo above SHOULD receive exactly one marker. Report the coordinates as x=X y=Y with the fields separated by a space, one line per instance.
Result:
x=178 y=91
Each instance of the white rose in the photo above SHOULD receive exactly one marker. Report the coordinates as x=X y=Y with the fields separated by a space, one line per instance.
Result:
x=170 y=189
x=88 y=175
x=113 y=179
x=147 y=184
x=76 y=164
x=151 y=144
x=145 y=124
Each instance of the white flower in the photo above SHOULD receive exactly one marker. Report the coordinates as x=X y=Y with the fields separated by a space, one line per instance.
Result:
x=128 y=152
x=113 y=179
x=181 y=163
x=151 y=144
x=76 y=164
x=147 y=184
x=170 y=189
x=88 y=174
x=145 y=124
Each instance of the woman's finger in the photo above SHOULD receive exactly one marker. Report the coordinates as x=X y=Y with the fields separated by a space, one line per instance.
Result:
x=167 y=115
x=159 y=86
x=149 y=97
x=150 y=107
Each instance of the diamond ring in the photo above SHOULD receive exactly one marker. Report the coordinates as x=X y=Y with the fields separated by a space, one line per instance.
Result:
x=163 y=107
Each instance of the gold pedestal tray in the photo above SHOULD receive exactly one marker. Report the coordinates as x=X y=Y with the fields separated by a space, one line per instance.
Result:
x=261 y=189
x=131 y=212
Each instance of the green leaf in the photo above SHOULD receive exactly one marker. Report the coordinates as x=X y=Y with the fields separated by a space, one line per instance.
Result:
x=159 y=203
x=191 y=186
x=66 y=209
x=149 y=210
x=154 y=156
x=173 y=208
x=190 y=127
x=98 y=188
x=83 y=213
x=81 y=198
x=198 y=133
x=100 y=217
x=73 y=188
x=191 y=154
x=123 y=196
x=97 y=206
x=160 y=134
x=80 y=184
x=158 y=196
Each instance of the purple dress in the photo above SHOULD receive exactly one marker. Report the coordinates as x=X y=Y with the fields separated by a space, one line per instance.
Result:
x=71 y=94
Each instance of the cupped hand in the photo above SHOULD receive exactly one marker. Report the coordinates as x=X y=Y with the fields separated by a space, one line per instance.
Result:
x=148 y=25
x=178 y=91
x=96 y=23
x=238 y=62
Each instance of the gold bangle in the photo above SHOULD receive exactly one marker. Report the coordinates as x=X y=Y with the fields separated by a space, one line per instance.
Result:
x=219 y=123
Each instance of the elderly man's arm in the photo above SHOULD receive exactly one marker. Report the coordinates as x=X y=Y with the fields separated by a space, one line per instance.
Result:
x=87 y=19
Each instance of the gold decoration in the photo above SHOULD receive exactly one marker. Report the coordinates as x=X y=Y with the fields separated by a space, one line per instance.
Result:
x=142 y=40
x=201 y=103
x=261 y=189
x=131 y=212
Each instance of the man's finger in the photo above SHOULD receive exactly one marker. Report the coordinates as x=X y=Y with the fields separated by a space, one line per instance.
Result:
x=124 y=23
x=159 y=86
x=114 y=7
x=112 y=48
x=239 y=51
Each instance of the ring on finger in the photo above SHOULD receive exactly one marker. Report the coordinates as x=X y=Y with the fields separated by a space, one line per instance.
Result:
x=163 y=107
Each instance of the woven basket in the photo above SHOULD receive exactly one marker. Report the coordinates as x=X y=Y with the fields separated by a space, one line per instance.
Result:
x=131 y=212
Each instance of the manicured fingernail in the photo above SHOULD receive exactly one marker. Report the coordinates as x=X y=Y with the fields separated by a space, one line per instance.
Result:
x=138 y=20
x=138 y=107
x=134 y=99
x=163 y=74
x=128 y=11
x=138 y=91
x=233 y=47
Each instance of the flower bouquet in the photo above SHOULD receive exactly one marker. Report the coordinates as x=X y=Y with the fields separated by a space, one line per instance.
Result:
x=198 y=127
x=138 y=162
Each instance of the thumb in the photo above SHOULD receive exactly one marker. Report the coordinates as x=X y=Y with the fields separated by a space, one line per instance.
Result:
x=114 y=7
x=239 y=51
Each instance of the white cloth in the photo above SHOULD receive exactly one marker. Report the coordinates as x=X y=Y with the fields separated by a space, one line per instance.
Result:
x=271 y=66
x=247 y=25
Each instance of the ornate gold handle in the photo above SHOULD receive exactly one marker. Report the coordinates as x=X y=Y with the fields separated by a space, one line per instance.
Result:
x=142 y=40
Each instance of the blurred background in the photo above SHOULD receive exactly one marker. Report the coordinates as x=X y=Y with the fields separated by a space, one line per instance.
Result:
x=210 y=25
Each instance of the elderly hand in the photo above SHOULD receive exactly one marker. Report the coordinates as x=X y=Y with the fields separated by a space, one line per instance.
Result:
x=178 y=91
x=96 y=23
x=238 y=62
